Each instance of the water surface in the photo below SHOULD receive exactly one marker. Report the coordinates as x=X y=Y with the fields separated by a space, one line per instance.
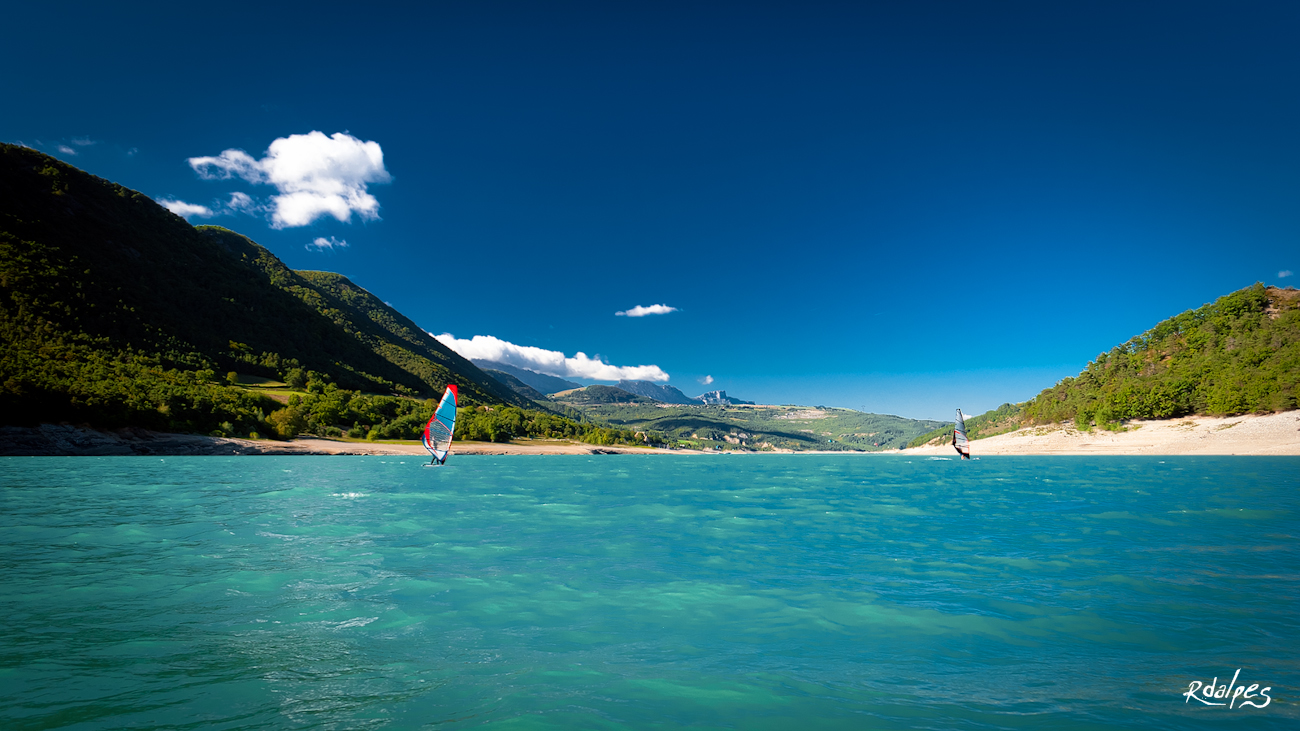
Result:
x=564 y=592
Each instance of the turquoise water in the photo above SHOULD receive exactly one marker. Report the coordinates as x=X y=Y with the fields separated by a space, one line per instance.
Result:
x=763 y=592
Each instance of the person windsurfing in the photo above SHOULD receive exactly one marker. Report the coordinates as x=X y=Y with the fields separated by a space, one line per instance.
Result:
x=959 y=440
x=441 y=426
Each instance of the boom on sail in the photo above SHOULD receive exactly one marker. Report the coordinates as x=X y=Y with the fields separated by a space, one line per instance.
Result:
x=442 y=425
x=959 y=440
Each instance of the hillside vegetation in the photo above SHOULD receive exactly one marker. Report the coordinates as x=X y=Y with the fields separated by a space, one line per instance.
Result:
x=599 y=394
x=759 y=428
x=1236 y=355
x=116 y=312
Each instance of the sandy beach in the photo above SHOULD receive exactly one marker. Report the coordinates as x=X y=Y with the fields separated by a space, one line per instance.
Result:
x=1273 y=434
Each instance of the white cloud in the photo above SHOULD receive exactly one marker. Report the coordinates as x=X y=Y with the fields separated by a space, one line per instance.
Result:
x=315 y=175
x=1284 y=274
x=243 y=203
x=68 y=148
x=229 y=164
x=706 y=380
x=324 y=244
x=640 y=311
x=555 y=363
x=185 y=210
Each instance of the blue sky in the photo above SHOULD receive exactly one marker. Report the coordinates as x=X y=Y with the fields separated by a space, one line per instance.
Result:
x=903 y=207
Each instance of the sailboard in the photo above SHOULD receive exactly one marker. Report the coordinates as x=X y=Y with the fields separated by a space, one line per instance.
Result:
x=442 y=425
x=959 y=440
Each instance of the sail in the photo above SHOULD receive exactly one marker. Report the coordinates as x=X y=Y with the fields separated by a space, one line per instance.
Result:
x=959 y=440
x=437 y=433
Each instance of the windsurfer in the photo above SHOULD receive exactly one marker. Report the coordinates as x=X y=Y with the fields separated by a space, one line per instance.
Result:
x=960 y=442
x=442 y=425
x=964 y=455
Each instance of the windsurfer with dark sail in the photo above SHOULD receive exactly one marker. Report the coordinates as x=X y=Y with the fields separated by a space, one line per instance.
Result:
x=959 y=440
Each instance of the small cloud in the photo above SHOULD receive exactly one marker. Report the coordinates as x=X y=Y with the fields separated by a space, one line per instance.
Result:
x=640 y=311
x=314 y=175
x=229 y=164
x=706 y=380
x=324 y=244
x=186 y=210
x=1284 y=274
x=131 y=152
x=243 y=203
x=70 y=147
x=551 y=362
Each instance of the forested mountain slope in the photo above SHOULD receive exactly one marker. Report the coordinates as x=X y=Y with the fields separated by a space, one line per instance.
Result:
x=1236 y=355
x=115 y=311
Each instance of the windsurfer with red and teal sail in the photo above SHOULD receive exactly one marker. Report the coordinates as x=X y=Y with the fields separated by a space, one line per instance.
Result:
x=441 y=426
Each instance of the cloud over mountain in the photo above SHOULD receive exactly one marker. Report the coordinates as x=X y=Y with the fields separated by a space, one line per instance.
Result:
x=185 y=210
x=314 y=175
x=551 y=362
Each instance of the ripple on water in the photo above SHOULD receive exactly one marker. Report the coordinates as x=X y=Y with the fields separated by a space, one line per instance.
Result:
x=639 y=591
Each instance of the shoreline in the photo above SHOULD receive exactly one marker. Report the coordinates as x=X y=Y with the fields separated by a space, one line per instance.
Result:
x=1251 y=434
x=317 y=446
x=65 y=440
x=1261 y=435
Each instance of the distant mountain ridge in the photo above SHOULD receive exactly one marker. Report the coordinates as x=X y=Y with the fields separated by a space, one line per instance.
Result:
x=662 y=393
x=601 y=395
x=544 y=383
x=516 y=385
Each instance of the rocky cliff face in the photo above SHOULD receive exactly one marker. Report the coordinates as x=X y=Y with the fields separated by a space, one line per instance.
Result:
x=719 y=397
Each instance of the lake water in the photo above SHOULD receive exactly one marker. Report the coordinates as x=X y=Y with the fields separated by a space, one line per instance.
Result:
x=574 y=592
